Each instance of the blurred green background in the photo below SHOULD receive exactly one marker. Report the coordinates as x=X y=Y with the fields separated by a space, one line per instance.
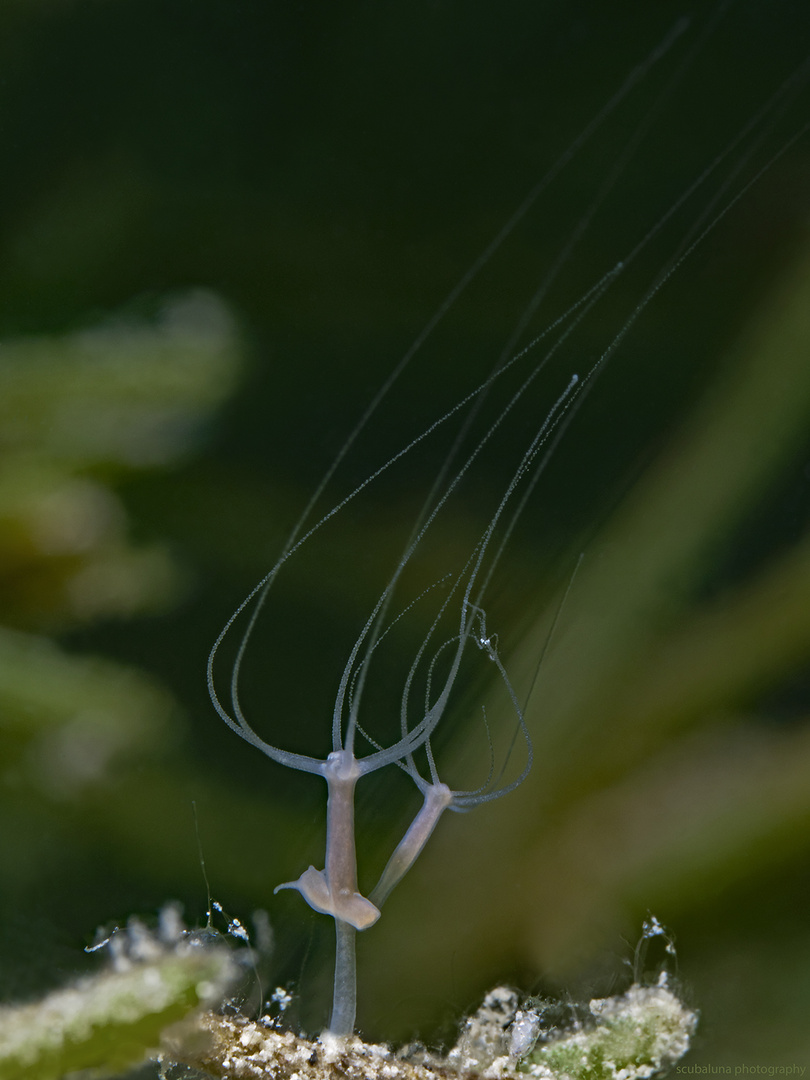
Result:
x=223 y=224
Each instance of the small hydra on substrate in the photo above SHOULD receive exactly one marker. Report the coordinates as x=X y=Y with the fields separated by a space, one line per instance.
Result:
x=459 y=623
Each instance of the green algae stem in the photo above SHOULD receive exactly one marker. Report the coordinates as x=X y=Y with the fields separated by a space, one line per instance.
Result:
x=641 y=1033
x=110 y=1021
